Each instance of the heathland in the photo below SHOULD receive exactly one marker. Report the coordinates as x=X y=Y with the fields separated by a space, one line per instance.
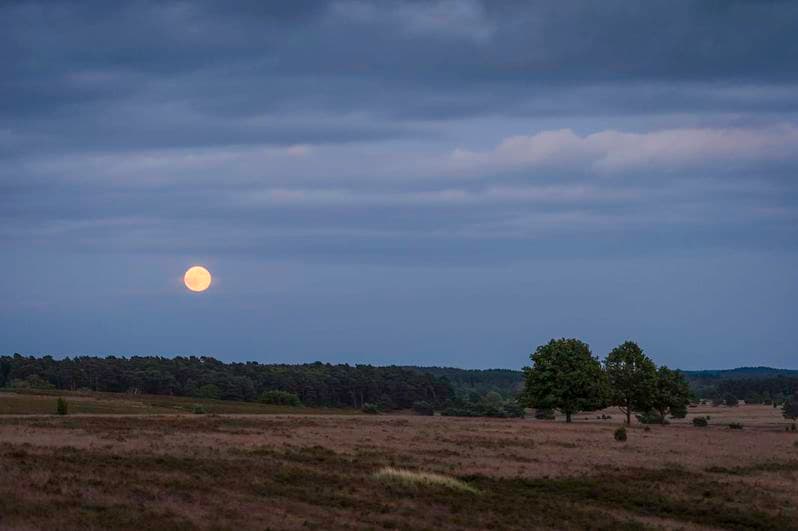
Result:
x=133 y=461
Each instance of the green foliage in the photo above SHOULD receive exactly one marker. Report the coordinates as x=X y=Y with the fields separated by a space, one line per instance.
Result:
x=279 y=398
x=620 y=434
x=544 y=414
x=671 y=393
x=651 y=417
x=371 y=409
x=790 y=408
x=316 y=384
x=32 y=381
x=678 y=412
x=632 y=378
x=509 y=383
x=61 y=407
x=423 y=408
x=211 y=391
x=198 y=409
x=565 y=376
x=488 y=406
x=730 y=400
x=700 y=422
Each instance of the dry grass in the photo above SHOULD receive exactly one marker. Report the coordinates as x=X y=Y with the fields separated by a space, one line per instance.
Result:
x=390 y=474
x=298 y=471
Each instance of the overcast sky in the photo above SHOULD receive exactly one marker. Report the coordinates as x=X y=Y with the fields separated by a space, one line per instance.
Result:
x=435 y=183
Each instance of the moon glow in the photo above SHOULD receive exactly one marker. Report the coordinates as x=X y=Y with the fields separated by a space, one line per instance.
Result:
x=197 y=278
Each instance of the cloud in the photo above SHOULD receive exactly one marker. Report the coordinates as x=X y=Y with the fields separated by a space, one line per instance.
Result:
x=437 y=19
x=618 y=151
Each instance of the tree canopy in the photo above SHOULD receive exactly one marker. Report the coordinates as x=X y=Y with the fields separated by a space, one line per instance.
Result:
x=632 y=377
x=671 y=393
x=564 y=375
x=314 y=384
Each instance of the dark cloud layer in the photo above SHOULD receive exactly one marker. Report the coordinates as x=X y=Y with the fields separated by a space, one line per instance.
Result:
x=397 y=136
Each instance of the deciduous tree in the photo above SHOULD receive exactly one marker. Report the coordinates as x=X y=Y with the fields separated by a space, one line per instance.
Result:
x=632 y=377
x=564 y=375
x=671 y=393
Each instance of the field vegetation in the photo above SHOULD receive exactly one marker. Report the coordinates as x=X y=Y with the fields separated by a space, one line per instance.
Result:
x=180 y=470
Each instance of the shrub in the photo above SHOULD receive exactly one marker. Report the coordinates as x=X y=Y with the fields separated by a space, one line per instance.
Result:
x=678 y=412
x=279 y=398
x=651 y=417
x=700 y=422
x=208 y=391
x=735 y=426
x=61 y=407
x=730 y=400
x=647 y=428
x=544 y=414
x=793 y=427
x=371 y=409
x=484 y=408
x=620 y=434
x=423 y=408
x=512 y=409
x=198 y=409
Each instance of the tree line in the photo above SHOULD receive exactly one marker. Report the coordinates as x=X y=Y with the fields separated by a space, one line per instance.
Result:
x=313 y=384
x=565 y=376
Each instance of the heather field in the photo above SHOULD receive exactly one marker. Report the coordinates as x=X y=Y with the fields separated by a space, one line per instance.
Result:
x=323 y=471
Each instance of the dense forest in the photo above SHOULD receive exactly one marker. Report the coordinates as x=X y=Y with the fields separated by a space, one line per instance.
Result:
x=316 y=384
x=324 y=384
x=506 y=382
x=752 y=384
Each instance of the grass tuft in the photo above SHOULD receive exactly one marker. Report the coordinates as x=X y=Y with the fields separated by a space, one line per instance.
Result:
x=424 y=479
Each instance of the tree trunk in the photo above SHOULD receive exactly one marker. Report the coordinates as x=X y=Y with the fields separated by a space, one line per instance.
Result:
x=567 y=416
x=628 y=417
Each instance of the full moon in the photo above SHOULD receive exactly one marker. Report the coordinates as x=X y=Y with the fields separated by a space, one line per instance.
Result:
x=197 y=278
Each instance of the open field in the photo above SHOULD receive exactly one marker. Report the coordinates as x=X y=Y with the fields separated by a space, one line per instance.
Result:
x=38 y=402
x=329 y=472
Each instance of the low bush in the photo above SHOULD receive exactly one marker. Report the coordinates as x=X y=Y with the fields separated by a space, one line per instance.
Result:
x=544 y=414
x=371 y=409
x=279 y=398
x=700 y=422
x=735 y=426
x=647 y=428
x=678 y=412
x=793 y=427
x=198 y=409
x=651 y=417
x=423 y=408
x=620 y=434
x=61 y=407
x=484 y=408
